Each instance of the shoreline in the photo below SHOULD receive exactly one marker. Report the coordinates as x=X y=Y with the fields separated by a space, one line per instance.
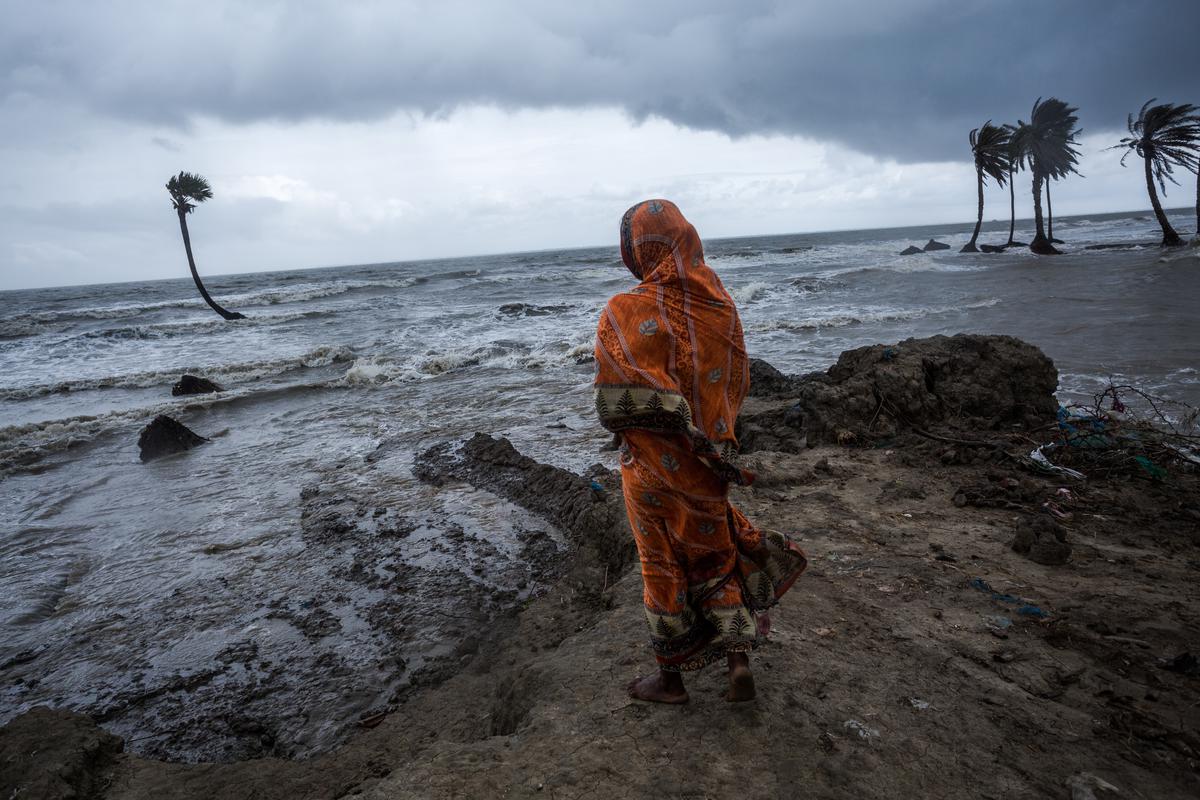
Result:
x=886 y=653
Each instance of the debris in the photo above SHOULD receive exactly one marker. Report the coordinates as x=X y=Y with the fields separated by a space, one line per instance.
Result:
x=861 y=729
x=918 y=704
x=1085 y=785
x=1024 y=609
x=1040 y=461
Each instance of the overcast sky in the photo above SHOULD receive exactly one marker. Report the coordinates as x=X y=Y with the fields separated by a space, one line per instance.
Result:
x=351 y=132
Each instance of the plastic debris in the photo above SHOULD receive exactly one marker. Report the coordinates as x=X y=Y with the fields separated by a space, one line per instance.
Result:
x=918 y=703
x=1085 y=786
x=1026 y=609
x=1151 y=469
x=1039 y=458
x=861 y=729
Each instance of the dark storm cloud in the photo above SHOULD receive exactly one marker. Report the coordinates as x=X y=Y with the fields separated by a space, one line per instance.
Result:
x=899 y=79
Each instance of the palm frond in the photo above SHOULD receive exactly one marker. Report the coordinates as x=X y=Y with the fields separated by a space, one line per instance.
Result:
x=991 y=148
x=1047 y=143
x=1167 y=135
x=187 y=189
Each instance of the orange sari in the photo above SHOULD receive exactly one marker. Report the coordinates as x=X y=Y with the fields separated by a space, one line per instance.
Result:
x=672 y=374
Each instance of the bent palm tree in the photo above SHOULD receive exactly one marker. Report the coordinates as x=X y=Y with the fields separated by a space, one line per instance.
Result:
x=1047 y=145
x=1165 y=136
x=989 y=144
x=186 y=191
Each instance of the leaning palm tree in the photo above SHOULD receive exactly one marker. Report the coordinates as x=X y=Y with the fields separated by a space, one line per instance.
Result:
x=989 y=144
x=1014 y=162
x=1165 y=136
x=1047 y=145
x=186 y=190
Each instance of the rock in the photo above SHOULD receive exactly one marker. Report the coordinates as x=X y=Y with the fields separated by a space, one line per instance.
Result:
x=875 y=392
x=911 y=251
x=590 y=519
x=165 y=436
x=1043 y=540
x=992 y=248
x=192 y=384
x=766 y=381
x=75 y=757
x=933 y=244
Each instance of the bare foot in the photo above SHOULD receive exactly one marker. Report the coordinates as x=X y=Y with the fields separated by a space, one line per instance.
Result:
x=741 y=681
x=661 y=687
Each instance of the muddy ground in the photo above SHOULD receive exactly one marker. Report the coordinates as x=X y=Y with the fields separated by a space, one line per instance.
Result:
x=919 y=656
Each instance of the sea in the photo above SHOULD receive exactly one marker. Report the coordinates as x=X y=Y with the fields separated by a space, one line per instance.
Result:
x=119 y=580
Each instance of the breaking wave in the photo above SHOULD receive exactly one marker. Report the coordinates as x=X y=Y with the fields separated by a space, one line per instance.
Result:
x=863 y=317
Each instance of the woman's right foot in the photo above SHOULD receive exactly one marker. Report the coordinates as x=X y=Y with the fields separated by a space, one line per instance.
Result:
x=658 y=688
x=741 y=680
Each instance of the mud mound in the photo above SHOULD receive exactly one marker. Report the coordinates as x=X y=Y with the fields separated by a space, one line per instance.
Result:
x=967 y=381
x=74 y=756
x=587 y=509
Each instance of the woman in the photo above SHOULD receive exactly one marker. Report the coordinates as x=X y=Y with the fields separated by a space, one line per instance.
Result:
x=671 y=376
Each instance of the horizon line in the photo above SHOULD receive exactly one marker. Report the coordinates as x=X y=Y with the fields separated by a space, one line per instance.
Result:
x=971 y=223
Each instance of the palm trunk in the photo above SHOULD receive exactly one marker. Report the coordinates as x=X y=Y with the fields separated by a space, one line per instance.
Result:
x=1050 y=218
x=1012 y=207
x=970 y=247
x=1040 y=244
x=187 y=245
x=1170 y=237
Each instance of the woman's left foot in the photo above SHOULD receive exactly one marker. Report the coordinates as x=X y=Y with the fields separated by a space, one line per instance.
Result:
x=659 y=688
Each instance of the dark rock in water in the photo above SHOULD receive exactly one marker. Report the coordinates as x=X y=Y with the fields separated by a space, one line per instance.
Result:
x=1057 y=241
x=1043 y=540
x=933 y=244
x=766 y=381
x=980 y=382
x=75 y=757
x=992 y=248
x=1015 y=243
x=193 y=384
x=911 y=251
x=165 y=436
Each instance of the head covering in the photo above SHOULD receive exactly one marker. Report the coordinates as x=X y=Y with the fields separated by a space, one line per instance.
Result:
x=670 y=355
